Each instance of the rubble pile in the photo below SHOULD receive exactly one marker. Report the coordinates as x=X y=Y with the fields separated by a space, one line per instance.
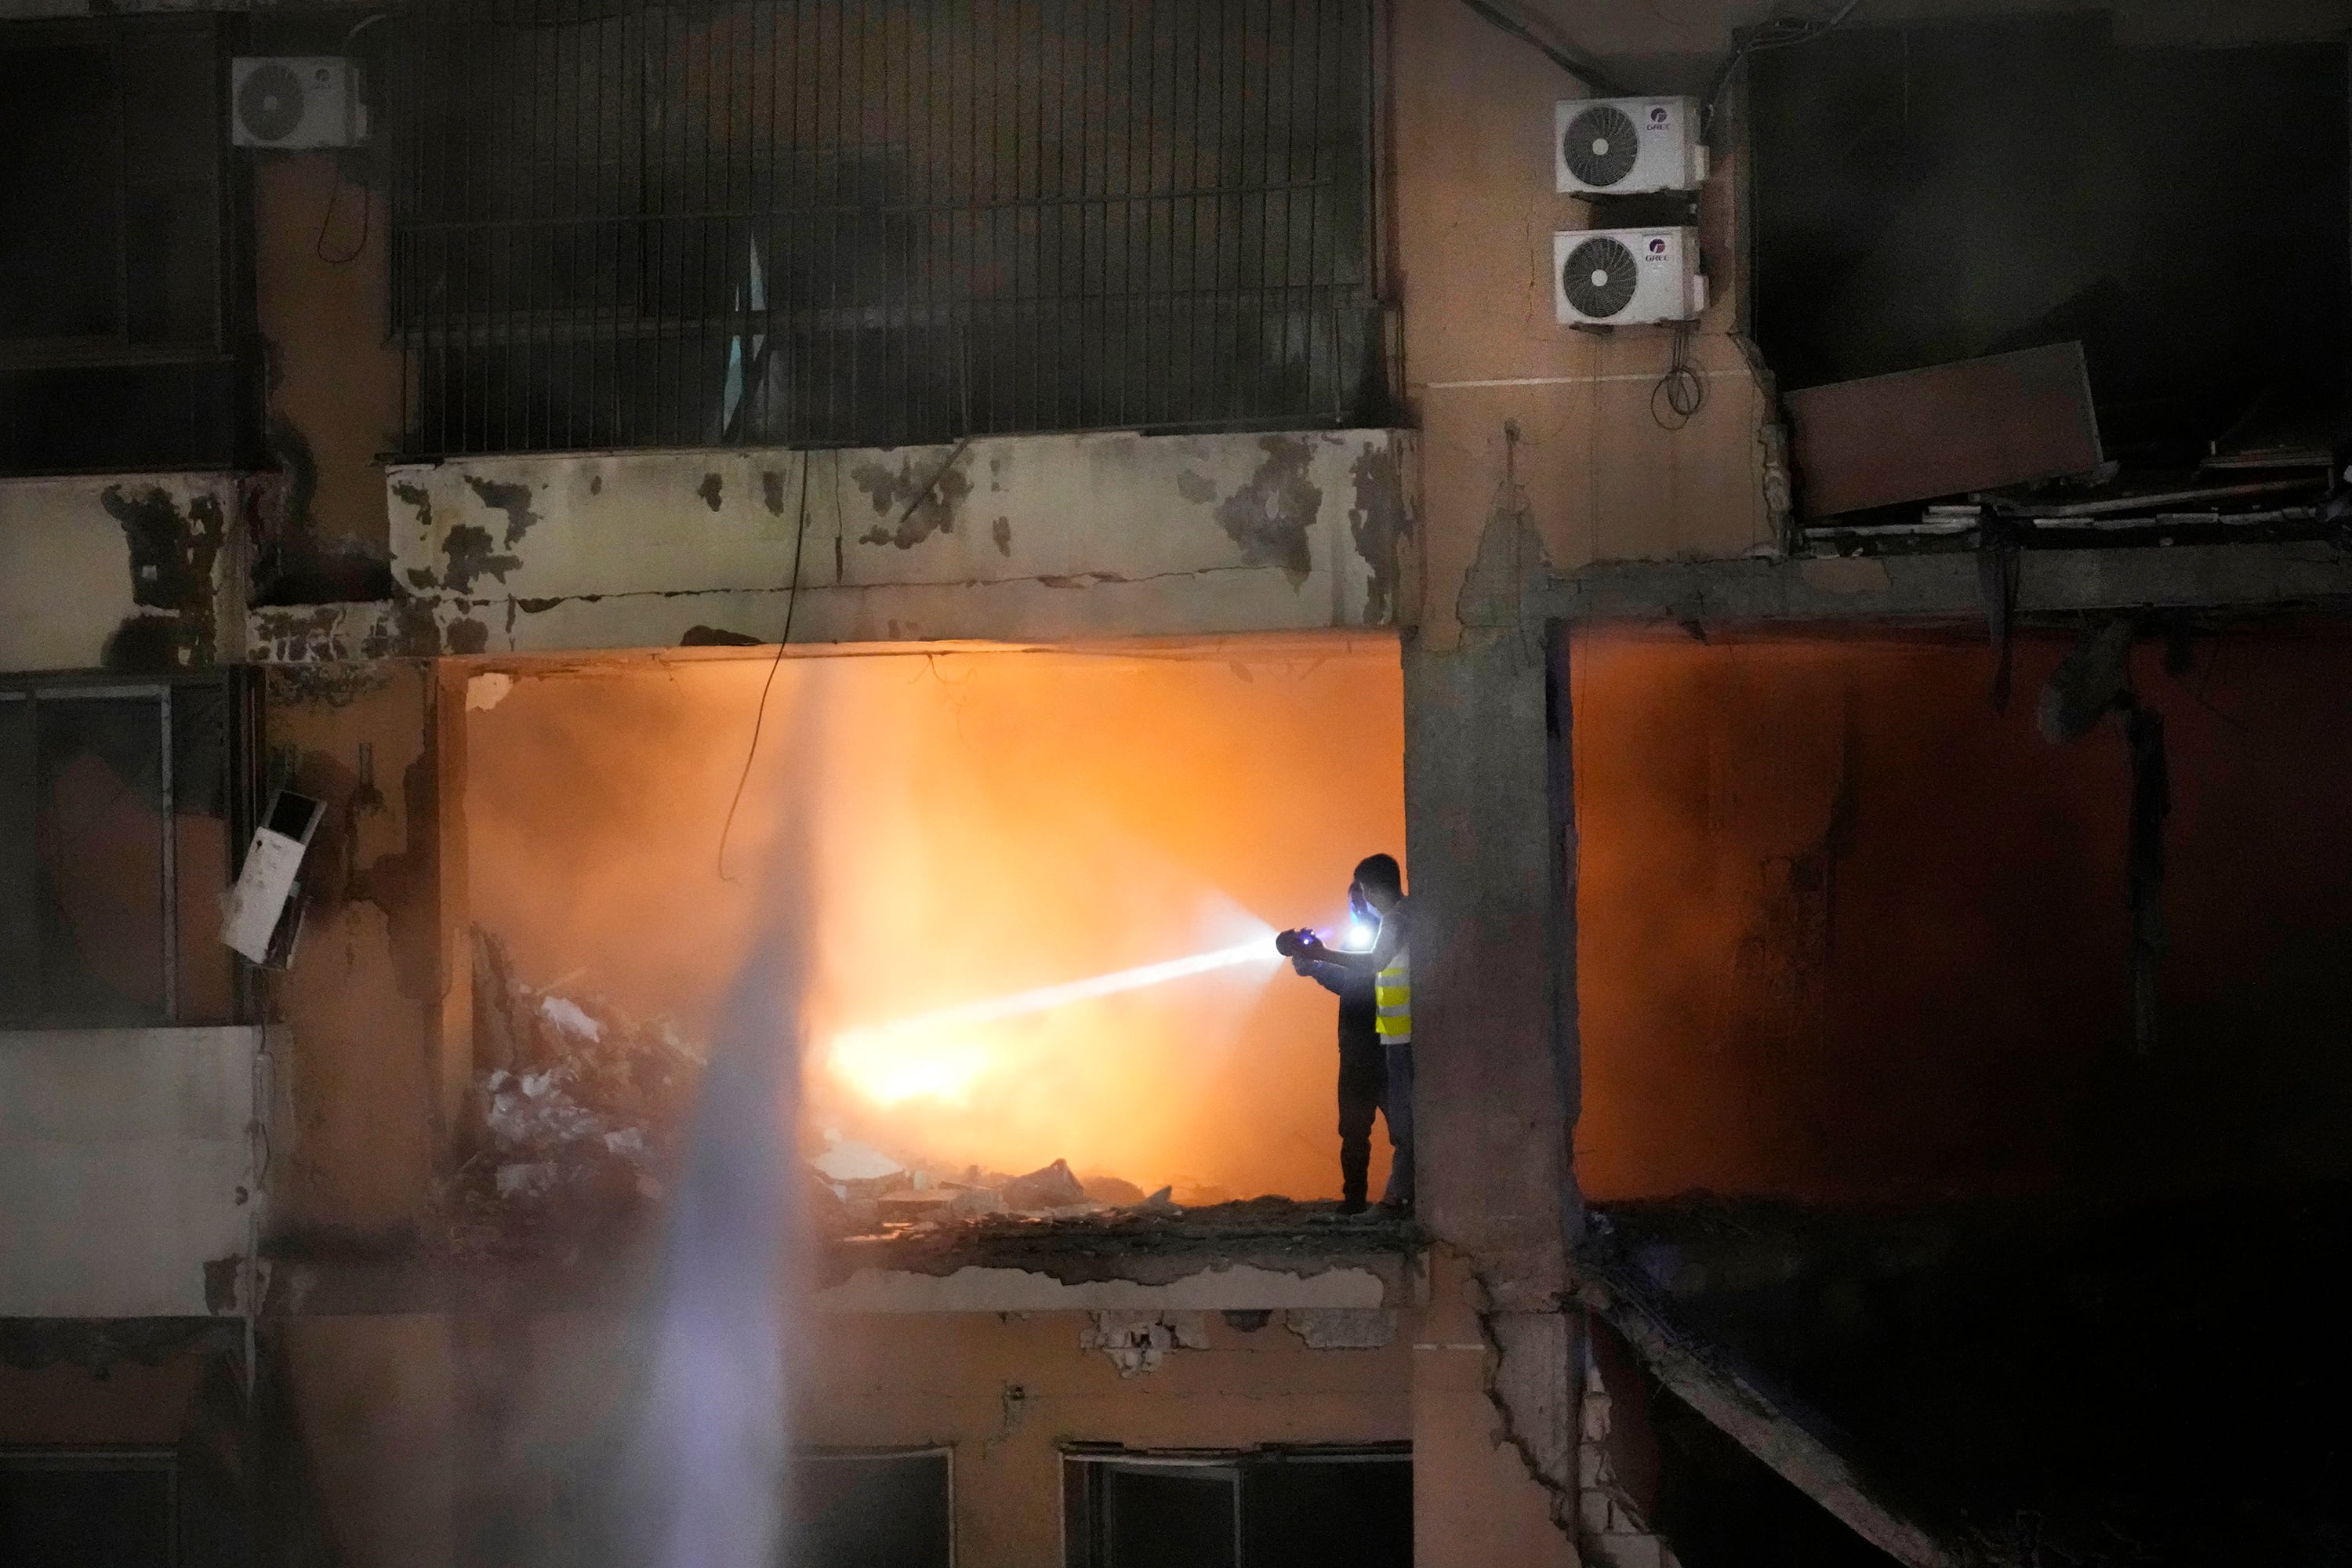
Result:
x=580 y=1108
x=856 y=1189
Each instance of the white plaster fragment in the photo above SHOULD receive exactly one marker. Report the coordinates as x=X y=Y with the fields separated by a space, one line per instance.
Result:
x=566 y=1014
x=1139 y=1342
x=849 y=1161
x=485 y=691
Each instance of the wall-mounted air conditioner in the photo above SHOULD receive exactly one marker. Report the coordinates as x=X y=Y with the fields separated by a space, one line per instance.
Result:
x=1626 y=146
x=295 y=102
x=262 y=916
x=1626 y=277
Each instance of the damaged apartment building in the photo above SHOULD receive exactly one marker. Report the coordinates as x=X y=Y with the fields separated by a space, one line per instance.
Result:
x=801 y=586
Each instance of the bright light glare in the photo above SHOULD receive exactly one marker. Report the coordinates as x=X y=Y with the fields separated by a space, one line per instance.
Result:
x=936 y=1055
x=1358 y=938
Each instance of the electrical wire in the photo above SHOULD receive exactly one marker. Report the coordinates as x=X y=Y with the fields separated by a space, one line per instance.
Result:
x=367 y=203
x=1682 y=389
x=367 y=209
x=1778 y=31
x=1584 y=71
x=759 y=718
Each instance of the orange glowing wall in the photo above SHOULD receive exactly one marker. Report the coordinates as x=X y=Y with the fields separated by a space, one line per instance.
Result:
x=980 y=824
x=1847 y=934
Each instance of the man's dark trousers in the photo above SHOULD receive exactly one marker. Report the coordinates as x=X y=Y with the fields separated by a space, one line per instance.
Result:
x=1363 y=1091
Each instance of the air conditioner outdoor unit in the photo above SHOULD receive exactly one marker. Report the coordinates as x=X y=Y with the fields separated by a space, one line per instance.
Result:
x=1626 y=146
x=296 y=100
x=1626 y=277
x=261 y=916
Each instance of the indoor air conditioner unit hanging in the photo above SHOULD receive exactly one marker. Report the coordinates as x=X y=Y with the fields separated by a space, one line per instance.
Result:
x=1626 y=146
x=1626 y=277
x=295 y=100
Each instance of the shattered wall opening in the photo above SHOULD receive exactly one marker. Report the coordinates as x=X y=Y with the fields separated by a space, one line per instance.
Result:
x=995 y=823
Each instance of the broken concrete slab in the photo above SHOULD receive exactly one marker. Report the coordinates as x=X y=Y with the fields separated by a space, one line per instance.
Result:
x=1946 y=429
x=1737 y=1408
x=1054 y=1187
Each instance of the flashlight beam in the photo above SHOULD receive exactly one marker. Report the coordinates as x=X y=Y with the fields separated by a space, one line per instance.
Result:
x=1047 y=997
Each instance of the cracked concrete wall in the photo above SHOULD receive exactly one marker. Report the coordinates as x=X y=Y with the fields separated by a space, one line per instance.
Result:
x=1016 y=538
x=125 y=1159
x=1491 y=836
x=138 y=573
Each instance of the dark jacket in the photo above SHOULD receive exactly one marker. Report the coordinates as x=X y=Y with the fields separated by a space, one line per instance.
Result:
x=1358 y=1012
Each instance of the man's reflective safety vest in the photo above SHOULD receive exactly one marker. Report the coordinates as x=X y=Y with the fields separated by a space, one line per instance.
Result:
x=1392 y=992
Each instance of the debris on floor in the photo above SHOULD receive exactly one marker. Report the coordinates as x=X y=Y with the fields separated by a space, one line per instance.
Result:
x=580 y=1107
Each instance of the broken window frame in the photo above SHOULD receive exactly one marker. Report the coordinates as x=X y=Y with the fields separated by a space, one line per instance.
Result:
x=239 y=717
x=191 y=384
x=141 y=1458
x=1085 y=1465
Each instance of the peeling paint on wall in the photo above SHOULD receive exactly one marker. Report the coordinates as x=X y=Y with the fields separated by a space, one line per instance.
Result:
x=1082 y=535
x=467 y=554
x=172 y=558
x=510 y=499
x=922 y=504
x=1269 y=516
x=1376 y=522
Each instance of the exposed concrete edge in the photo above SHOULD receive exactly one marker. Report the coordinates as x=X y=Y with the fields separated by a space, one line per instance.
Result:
x=973 y=1288
x=1736 y=1409
x=2251 y=577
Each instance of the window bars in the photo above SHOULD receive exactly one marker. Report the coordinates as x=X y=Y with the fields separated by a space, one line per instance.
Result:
x=882 y=222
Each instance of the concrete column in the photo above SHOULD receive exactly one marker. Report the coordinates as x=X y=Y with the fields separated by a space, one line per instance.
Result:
x=1490 y=838
x=1490 y=842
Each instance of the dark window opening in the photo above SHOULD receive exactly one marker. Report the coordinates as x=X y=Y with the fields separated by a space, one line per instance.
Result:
x=1273 y=1509
x=1934 y=193
x=872 y=1510
x=91 y=1508
x=799 y=222
x=120 y=809
x=115 y=266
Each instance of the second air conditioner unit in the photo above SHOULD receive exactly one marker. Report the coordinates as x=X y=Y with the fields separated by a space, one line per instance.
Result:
x=1626 y=277
x=1626 y=146
x=296 y=102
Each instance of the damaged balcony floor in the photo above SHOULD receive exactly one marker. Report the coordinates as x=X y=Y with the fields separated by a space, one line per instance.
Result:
x=1263 y=1252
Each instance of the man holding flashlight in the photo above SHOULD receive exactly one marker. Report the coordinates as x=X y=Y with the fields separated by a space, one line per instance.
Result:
x=1372 y=974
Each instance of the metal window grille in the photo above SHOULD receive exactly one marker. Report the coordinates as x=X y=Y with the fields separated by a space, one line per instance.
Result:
x=880 y=222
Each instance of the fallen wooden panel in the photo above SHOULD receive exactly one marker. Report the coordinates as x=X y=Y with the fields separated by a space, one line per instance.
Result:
x=1733 y=1406
x=1945 y=430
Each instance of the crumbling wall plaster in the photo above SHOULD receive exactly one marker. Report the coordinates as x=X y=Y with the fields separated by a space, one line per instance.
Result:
x=125 y=1156
x=1017 y=538
x=1238 y=1286
x=360 y=1103
x=138 y=573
